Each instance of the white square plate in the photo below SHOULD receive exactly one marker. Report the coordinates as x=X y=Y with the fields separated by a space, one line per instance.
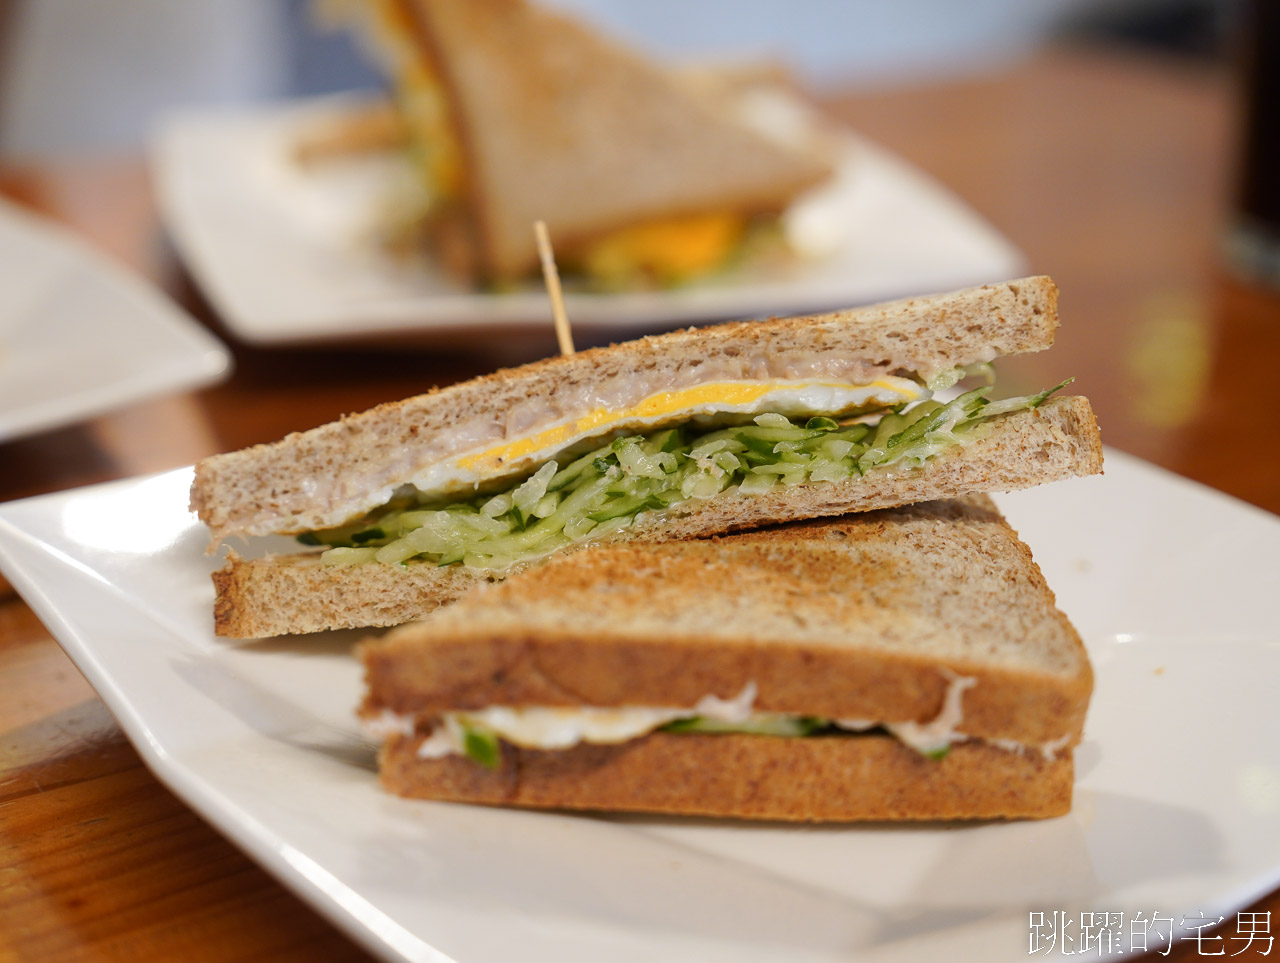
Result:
x=79 y=336
x=285 y=251
x=1177 y=809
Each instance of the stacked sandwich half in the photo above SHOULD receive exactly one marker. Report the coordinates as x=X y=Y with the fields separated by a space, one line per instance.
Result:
x=510 y=112
x=603 y=640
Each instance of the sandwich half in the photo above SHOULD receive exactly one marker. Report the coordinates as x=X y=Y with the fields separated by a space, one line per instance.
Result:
x=514 y=113
x=899 y=664
x=681 y=435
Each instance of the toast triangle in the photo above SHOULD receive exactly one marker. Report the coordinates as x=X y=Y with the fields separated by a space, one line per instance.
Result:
x=876 y=617
x=277 y=595
x=327 y=475
x=559 y=124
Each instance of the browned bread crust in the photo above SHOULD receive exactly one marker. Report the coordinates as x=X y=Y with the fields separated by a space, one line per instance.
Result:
x=864 y=777
x=296 y=594
x=535 y=100
x=291 y=594
x=325 y=476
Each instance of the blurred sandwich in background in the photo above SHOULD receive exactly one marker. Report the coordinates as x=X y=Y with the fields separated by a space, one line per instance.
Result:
x=509 y=114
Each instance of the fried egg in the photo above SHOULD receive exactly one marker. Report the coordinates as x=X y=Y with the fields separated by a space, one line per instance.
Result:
x=704 y=403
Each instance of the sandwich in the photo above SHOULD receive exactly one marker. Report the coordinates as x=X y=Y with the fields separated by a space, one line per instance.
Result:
x=899 y=664
x=692 y=433
x=512 y=113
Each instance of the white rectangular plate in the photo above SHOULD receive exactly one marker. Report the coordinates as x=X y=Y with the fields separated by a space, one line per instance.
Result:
x=286 y=254
x=79 y=336
x=1177 y=808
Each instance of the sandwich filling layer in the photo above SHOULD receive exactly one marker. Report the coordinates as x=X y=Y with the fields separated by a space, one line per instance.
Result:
x=476 y=734
x=695 y=403
x=573 y=500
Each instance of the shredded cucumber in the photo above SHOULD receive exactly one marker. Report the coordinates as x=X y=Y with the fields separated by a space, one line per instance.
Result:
x=761 y=724
x=605 y=490
x=483 y=745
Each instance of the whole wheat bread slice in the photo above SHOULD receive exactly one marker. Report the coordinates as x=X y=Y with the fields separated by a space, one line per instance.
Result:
x=870 y=617
x=557 y=123
x=327 y=475
x=748 y=777
x=276 y=595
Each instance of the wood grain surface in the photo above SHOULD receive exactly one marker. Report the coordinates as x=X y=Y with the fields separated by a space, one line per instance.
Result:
x=1112 y=173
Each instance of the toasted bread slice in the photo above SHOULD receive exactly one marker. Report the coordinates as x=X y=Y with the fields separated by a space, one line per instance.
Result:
x=867 y=617
x=324 y=477
x=298 y=593
x=558 y=124
x=830 y=779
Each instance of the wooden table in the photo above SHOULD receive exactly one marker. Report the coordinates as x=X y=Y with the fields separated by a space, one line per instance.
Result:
x=1112 y=174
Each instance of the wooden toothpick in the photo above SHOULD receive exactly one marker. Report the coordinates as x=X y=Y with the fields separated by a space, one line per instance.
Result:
x=552 y=278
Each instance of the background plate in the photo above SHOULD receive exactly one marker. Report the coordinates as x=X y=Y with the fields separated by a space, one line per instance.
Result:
x=285 y=252
x=1176 y=806
x=79 y=336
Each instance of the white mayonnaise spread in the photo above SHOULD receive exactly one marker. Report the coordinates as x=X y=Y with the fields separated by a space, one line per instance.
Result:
x=386 y=724
x=557 y=727
x=936 y=734
x=1048 y=749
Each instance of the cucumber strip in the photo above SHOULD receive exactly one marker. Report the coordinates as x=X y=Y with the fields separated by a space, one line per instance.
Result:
x=350 y=556
x=834 y=448
x=1027 y=401
x=481 y=746
x=578 y=528
x=626 y=506
x=573 y=471
x=753 y=458
x=760 y=446
x=714 y=447
x=530 y=491
x=485 y=524
x=545 y=507
x=795 y=458
x=965 y=404
x=672 y=439
x=357 y=533
x=889 y=426
x=761 y=724
x=772 y=419
x=853 y=433
x=829 y=471
x=778 y=434
x=757 y=484
x=726 y=461
x=778 y=469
